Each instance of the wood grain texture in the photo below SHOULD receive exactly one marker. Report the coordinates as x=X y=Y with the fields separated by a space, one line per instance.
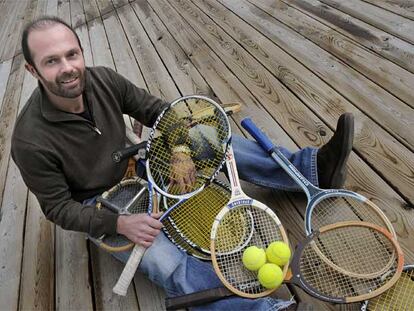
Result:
x=73 y=287
x=381 y=42
x=372 y=142
x=12 y=219
x=377 y=17
x=404 y=8
x=365 y=94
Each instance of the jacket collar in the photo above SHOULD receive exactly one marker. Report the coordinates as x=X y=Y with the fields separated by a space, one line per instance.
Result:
x=51 y=113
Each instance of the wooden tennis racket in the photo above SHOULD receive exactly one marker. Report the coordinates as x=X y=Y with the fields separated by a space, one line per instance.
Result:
x=312 y=273
x=125 y=198
x=197 y=126
x=399 y=297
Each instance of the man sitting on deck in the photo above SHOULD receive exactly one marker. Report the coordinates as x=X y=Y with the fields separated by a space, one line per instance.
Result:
x=73 y=121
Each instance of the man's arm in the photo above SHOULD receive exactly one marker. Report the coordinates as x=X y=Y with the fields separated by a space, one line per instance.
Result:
x=42 y=175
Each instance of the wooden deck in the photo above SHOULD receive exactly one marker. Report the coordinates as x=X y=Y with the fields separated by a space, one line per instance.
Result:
x=296 y=65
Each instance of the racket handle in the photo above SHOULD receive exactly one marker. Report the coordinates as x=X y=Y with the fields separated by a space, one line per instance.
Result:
x=128 y=273
x=197 y=298
x=126 y=153
x=257 y=134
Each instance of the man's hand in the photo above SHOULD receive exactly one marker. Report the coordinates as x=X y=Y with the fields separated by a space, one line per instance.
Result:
x=183 y=172
x=140 y=228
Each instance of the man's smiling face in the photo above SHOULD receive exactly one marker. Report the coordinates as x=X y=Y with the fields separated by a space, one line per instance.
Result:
x=58 y=60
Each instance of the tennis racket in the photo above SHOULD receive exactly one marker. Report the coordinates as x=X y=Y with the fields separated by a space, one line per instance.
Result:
x=201 y=209
x=399 y=297
x=243 y=222
x=326 y=207
x=319 y=279
x=181 y=128
x=125 y=198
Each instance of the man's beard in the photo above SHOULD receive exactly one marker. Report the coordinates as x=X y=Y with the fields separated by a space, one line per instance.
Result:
x=59 y=89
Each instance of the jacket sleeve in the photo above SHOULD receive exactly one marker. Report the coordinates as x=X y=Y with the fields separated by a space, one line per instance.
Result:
x=42 y=175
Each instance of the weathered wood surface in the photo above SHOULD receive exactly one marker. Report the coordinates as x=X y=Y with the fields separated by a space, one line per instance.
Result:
x=295 y=66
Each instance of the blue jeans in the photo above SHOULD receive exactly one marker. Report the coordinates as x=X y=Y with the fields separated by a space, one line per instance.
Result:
x=179 y=274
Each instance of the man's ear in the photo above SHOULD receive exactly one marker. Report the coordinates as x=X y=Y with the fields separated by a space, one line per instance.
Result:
x=32 y=70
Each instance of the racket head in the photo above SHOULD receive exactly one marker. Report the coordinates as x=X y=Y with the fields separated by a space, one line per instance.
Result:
x=321 y=280
x=200 y=126
x=399 y=297
x=240 y=224
x=121 y=196
x=332 y=206
x=192 y=221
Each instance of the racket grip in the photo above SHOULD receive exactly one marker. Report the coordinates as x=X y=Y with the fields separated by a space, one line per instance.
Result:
x=128 y=273
x=126 y=153
x=258 y=134
x=197 y=298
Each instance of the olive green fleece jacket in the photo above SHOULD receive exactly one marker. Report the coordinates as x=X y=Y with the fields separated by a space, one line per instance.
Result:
x=65 y=159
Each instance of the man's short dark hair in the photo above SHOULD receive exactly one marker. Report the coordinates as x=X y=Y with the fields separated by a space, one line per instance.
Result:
x=41 y=23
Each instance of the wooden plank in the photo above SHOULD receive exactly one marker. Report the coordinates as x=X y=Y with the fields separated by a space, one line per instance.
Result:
x=378 y=17
x=389 y=46
x=37 y=288
x=52 y=7
x=150 y=296
x=14 y=37
x=91 y=10
x=7 y=22
x=361 y=177
x=31 y=11
x=64 y=10
x=119 y=3
x=76 y=13
x=83 y=35
x=104 y=279
x=73 y=290
x=99 y=44
x=12 y=219
x=8 y=115
x=401 y=7
x=363 y=93
x=105 y=6
x=122 y=53
x=125 y=63
x=4 y=77
x=370 y=140
x=185 y=75
x=148 y=60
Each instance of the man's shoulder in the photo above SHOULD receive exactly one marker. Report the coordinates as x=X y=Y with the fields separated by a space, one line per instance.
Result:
x=102 y=72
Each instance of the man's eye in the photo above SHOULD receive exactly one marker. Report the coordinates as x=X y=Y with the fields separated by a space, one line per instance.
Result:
x=51 y=61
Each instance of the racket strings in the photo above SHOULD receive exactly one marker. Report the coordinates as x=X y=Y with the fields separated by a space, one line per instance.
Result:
x=398 y=297
x=322 y=276
x=198 y=128
x=331 y=210
x=121 y=195
x=177 y=239
x=194 y=218
x=240 y=228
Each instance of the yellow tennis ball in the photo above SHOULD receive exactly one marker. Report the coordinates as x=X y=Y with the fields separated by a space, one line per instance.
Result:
x=270 y=275
x=254 y=258
x=278 y=253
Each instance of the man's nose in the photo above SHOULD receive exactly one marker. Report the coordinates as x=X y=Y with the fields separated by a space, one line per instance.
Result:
x=66 y=66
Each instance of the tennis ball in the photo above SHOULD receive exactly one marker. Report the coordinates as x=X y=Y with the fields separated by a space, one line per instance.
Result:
x=270 y=275
x=278 y=253
x=254 y=258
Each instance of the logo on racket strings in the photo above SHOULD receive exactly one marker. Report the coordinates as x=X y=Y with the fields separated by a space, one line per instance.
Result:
x=240 y=202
